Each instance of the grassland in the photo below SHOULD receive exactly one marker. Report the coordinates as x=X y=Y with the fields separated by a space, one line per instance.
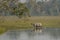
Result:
x=13 y=22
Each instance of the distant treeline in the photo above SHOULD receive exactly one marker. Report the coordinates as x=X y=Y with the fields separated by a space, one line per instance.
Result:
x=40 y=8
x=13 y=7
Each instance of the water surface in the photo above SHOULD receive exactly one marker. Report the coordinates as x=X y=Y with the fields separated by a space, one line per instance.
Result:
x=47 y=34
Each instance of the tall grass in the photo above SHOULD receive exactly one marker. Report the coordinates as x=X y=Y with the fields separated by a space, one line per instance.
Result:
x=13 y=22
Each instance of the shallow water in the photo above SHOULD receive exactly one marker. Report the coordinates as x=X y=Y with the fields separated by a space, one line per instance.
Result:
x=47 y=34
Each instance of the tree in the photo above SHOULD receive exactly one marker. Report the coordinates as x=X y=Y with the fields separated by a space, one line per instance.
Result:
x=14 y=7
x=21 y=10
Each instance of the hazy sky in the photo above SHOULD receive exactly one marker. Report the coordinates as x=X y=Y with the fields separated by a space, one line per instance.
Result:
x=23 y=1
x=26 y=0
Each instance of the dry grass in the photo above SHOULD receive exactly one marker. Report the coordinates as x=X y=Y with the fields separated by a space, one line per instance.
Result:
x=13 y=22
x=47 y=21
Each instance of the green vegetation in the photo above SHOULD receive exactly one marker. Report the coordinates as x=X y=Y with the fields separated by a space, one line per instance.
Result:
x=13 y=7
x=13 y=14
x=44 y=8
x=10 y=23
x=2 y=30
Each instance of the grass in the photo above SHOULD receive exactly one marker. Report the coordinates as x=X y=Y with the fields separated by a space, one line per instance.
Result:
x=13 y=22
x=2 y=30
x=47 y=21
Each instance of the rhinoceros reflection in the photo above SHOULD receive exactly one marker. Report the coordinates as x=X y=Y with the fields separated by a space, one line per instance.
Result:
x=47 y=34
